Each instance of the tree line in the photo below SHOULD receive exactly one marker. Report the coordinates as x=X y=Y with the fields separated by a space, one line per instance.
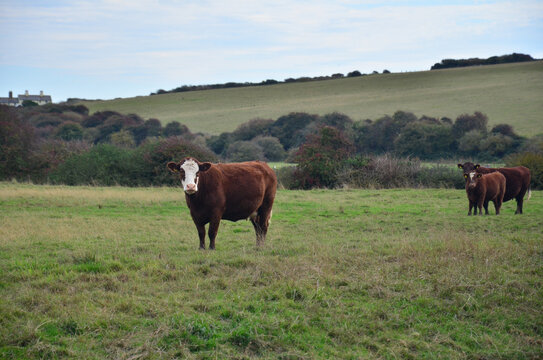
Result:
x=493 y=60
x=65 y=144
x=444 y=64
x=185 y=88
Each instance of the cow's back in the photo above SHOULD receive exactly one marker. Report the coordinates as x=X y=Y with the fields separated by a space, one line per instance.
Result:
x=494 y=184
x=236 y=190
x=517 y=180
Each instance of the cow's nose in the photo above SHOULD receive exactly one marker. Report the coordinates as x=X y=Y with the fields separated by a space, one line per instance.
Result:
x=191 y=187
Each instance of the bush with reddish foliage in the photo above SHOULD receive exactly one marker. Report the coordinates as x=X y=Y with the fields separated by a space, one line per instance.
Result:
x=322 y=157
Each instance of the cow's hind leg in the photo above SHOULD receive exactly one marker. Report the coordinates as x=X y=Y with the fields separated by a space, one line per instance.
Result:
x=520 y=201
x=497 y=205
x=263 y=222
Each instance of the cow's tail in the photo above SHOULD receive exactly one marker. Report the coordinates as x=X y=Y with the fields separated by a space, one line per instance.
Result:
x=529 y=193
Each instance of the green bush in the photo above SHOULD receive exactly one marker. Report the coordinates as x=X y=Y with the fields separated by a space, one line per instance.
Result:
x=102 y=165
x=533 y=161
x=288 y=177
x=423 y=140
x=70 y=131
x=440 y=176
x=244 y=151
x=271 y=148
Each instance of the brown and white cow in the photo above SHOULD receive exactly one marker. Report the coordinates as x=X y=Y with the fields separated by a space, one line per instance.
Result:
x=517 y=181
x=483 y=188
x=227 y=191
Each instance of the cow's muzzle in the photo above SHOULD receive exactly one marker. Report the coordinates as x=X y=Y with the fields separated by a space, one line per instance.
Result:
x=191 y=189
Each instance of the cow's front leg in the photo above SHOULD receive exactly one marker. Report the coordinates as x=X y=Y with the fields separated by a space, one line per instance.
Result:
x=213 y=229
x=480 y=207
x=202 y=235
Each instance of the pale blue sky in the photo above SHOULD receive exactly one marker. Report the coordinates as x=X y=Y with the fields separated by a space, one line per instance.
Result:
x=123 y=48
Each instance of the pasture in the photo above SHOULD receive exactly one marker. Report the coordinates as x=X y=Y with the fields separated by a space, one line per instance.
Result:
x=508 y=93
x=95 y=273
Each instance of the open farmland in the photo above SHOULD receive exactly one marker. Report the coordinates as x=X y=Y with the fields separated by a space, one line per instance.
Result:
x=94 y=273
x=509 y=93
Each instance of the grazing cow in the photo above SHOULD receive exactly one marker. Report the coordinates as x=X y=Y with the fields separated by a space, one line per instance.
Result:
x=227 y=191
x=517 y=181
x=483 y=188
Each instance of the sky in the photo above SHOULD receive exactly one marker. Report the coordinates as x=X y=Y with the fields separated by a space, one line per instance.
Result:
x=105 y=49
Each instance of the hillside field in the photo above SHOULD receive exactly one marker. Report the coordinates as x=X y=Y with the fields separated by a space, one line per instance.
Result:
x=508 y=93
x=114 y=273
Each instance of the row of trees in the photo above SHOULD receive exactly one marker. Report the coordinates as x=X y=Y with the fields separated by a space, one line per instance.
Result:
x=493 y=60
x=65 y=144
x=402 y=134
x=185 y=88
x=444 y=64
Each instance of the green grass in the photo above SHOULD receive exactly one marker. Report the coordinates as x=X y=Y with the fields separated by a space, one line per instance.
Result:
x=94 y=273
x=509 y=93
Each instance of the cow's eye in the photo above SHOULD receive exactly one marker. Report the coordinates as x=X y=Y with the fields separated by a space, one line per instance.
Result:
x=465 y=176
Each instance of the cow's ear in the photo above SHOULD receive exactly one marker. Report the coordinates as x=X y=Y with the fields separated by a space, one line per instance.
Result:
x=173 y=166
x=460 y=166
x=203 y=167
x=477 y=166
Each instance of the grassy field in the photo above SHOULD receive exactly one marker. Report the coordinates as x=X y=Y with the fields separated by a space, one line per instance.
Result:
x=96 y=273
x=509 y=93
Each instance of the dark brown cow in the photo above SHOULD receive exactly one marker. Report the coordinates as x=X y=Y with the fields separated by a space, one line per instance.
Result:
x=517 y=181
x=483 y=188
x=227 y=191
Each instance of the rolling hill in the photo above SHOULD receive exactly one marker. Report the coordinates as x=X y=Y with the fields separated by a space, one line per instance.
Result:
x=509 y=93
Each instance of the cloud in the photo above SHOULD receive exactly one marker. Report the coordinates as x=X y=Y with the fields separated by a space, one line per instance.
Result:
x=240 y=40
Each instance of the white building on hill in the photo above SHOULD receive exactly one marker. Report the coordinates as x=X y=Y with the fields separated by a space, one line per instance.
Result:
x=40 y=99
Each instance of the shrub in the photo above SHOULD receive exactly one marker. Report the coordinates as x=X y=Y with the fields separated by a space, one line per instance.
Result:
x=354 y=73
x=175 y=128
x=103 y=165
x=51 y=153
x=219 y=144
x=252 y=129
x=244 y=151
x=533 y=161
x=465 y=122
x=288 y=177
x=289 y=128
x=271 y=148
x=17 y=140
x=470 y=143
x=322 y=157
x=497 y=145
x=384 y=171
x=70 y=131
x=340 y=121
x=504 y=129
x=424 y=140
x=440 y=176
x=123 y=139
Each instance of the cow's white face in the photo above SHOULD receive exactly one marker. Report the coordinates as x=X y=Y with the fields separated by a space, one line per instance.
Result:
x=190 y=180
x=472 y=178
x=189 y=172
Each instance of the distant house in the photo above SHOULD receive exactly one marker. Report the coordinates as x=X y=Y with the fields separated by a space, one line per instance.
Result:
x=40 y=99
